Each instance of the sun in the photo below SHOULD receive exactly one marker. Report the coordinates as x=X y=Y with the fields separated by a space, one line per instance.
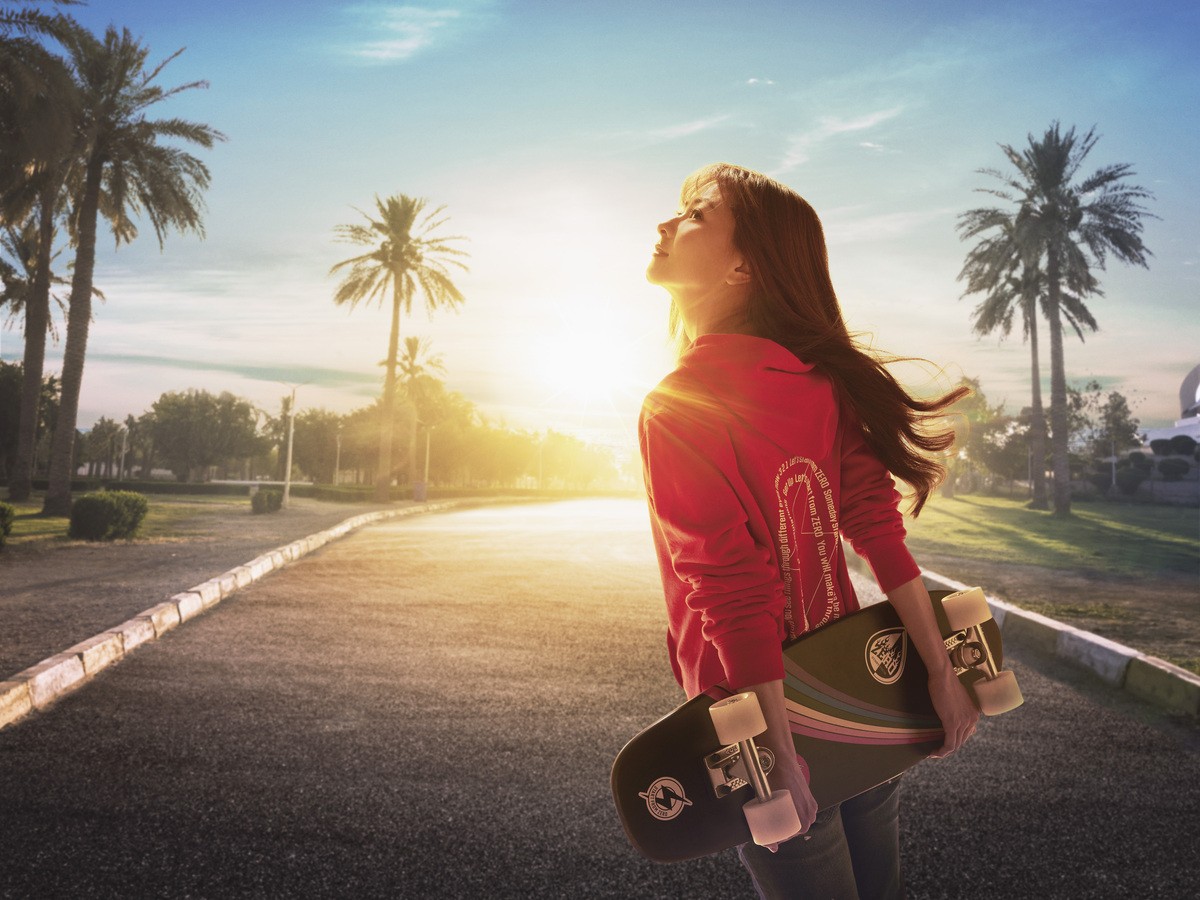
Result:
x=587 y=357
x=583 y=363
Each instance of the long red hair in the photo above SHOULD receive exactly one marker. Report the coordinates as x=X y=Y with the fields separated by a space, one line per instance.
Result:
x=793 y=303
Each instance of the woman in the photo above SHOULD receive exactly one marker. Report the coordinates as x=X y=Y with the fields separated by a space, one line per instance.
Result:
x=773 y=439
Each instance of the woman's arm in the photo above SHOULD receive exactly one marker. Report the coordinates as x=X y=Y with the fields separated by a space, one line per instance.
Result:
x=950 y=699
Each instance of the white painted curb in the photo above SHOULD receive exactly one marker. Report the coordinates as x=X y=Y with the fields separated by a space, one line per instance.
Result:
x=1145 y=677
x=1156 y=680
x=40 y=685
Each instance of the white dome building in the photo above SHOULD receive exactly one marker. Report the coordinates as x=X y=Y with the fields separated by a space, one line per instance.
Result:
x=1189 y=412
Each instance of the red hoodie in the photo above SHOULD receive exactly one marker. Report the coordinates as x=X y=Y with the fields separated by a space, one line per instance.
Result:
x=754 y=473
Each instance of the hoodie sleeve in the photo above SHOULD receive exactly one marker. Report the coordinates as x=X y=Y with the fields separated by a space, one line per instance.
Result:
x=731 y=581
x=870 y=515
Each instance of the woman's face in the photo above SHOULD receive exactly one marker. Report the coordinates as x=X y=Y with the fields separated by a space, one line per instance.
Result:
x=695 y=252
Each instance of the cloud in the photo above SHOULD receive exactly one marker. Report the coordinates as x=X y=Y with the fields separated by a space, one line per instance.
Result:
x=686 y=129
x=651 y=136
x=845 y=226
x=399 y=33
x=800 y=147
x=338 y=378
x=758 y=81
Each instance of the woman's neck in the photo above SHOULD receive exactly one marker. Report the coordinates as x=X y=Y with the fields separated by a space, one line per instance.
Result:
x=719 y=312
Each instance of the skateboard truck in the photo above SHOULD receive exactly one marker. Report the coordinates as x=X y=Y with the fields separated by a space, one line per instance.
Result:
x=997 y=691
x=771 y=815
x=968 y=649
x=728 y=771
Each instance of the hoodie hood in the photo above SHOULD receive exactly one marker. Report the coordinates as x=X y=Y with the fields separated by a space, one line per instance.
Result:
x=767 y=388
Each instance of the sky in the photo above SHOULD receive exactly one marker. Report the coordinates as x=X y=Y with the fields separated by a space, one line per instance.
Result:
x=556 y=136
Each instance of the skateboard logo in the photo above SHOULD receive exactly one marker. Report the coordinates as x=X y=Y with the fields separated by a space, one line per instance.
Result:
x=665 y=798
x=886 y=653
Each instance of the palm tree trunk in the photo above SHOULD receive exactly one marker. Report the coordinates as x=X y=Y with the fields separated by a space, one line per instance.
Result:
x=383 y=478
x=79 y=319
x=1059 y=436
x=37 y=320
x=1037 y=424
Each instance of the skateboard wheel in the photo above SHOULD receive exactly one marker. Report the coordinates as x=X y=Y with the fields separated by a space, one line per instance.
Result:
x=966 y=609
x=998 y=695
x=737 y=718
x=772 y=820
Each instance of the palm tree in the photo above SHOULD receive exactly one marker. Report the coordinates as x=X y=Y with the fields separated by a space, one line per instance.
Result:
x=408 y=255
x=37 y=98
x=30 y=248
x=39 y=106
x=418 y=360
x=123 y=171
x=998 y=268
x=1065 y=229
x=416 y=365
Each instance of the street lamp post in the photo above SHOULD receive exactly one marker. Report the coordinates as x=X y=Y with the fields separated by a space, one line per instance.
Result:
x=420 y=490
x=124 y=447
x=287 y=472
x=428 y=431
x=337 y=459
x=1114 y=464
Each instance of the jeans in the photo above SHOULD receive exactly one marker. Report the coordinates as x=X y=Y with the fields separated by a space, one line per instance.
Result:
x=851 y=851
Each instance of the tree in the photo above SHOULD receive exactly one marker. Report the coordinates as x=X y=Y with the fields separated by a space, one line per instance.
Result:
x=1005 y=452
x=194 y=430
x=360 y=439
x=314 y=444
x=1068 y=227
x=38 y=110
x=37 y=98
x=417 y=366
x=124 y=170
x=99 y=448
x=27 y=285
x=975 y=422
x=1118 y=427
x=999 y=267
x=10 y=406
x=408 y=255
x=1101 y=425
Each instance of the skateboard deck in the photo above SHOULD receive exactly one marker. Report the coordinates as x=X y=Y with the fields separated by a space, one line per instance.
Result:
x=860 y=714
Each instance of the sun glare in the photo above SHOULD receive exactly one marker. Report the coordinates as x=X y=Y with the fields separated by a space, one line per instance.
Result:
x=587 y=359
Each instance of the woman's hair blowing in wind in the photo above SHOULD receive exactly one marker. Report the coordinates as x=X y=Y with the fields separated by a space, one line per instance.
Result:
x=793 y=303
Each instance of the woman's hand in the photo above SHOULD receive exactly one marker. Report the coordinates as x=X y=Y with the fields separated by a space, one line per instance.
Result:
x=955 y=708
x=951 y=701
x=787 y=775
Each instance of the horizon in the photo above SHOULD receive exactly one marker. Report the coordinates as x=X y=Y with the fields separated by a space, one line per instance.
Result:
x=557 y=137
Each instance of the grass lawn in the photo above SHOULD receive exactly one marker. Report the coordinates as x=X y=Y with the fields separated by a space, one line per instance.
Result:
x=31 y=525
x=1099 y=538
x=167 y=516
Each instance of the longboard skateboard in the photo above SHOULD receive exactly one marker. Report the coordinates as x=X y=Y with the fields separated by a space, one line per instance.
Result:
x=694 y=783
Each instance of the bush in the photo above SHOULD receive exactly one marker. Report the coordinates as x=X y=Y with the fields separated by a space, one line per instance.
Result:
x=1182 y=445
x=107 y=515
x=1160 y=447
x=8 y=515
x=266 y=500
x=1128 y=480
x=1173 y=468
x=1140 y=460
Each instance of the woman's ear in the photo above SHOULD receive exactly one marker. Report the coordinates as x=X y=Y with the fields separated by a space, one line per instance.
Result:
x=740 y=275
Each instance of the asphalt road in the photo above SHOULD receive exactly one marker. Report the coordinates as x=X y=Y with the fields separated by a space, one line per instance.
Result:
x=429 y=708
